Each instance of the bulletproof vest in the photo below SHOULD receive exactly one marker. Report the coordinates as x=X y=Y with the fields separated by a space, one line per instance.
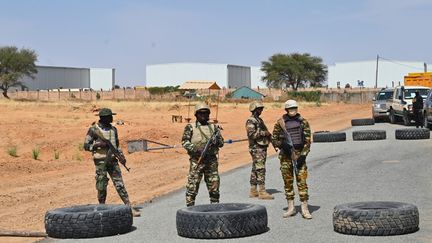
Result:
x=201 y=134
x=108 y=133
x=260 y=126
x=294 y=128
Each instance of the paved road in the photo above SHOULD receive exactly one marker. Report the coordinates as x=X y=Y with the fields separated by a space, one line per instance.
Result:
x=351 y=171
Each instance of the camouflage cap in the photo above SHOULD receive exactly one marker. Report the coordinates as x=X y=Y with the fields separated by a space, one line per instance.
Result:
x=106 y=112
x=201 y=106
x=255 y=104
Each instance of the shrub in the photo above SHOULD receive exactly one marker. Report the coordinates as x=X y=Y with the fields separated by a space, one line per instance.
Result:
x=98 y=96
x=56 y=155
x=12 y=151
x=35 y=153
x=309 y=96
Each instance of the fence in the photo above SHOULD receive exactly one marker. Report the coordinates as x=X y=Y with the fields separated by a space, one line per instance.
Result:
x=354 y=96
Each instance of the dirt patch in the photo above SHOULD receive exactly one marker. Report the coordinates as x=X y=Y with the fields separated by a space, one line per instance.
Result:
x=63 y=174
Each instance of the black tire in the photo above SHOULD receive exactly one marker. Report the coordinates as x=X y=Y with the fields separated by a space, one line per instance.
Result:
x=412 y=133
x=88 y=221
x=375 y=218
x=369 y=135
x=362 y=122
x=426 y=122
x=323 y=137
x=392 y=117
x=218 y=221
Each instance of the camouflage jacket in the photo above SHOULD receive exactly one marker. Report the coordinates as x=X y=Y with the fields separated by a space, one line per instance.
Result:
x=278 y=133
x=256 y=132
x=110 y=133
x=196 y=136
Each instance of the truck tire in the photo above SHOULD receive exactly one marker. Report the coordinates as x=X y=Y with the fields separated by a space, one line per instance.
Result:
x=392 y=117
x=412 y=133
x=323 y=137
x=218 y=221
x=426 y=122
x=375 y=218
x=405 y=118
x=362 y=122
x=369 y=135
x=88 y=221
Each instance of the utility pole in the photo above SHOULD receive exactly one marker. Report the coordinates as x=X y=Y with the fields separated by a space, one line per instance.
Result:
x=376 y=73
x=425 y=67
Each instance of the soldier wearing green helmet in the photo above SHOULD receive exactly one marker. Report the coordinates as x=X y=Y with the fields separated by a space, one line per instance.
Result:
x=195 y=137
x=105 y=162
x=259 y=139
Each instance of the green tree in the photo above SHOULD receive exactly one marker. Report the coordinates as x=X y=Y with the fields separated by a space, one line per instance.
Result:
x=15 y=64
x=294 y=70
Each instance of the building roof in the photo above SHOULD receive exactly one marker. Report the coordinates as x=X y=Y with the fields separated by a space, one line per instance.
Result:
x=246 y=92
x=198 y=84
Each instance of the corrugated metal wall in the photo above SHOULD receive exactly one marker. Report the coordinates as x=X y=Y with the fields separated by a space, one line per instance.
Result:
x=58 y=77
x=239 y=76
x=71 y=78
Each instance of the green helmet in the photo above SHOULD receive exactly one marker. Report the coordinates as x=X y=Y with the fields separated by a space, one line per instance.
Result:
x=106 y=112
x=255 y=104
x=201 y=106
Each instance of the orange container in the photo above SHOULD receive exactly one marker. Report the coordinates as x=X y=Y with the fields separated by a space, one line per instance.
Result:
x=418 y=79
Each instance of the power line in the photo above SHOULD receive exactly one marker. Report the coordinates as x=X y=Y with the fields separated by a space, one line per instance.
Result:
x=402 y=64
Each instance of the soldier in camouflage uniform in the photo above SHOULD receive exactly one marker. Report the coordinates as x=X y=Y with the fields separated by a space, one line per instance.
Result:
x=259 y=139
x=194 y=139
x=300 y=133
x=105 y=165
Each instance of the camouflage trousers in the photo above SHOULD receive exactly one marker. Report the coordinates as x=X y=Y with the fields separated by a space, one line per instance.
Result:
x=259 y=156
x=288 y=174
x=208 y=168
x=102 y=171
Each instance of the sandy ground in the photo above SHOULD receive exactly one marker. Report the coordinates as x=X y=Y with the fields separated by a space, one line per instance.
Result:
x=30 y=187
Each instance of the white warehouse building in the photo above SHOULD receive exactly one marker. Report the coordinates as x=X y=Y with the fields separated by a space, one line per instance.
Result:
x=49 y=77
x=389 y=73
x=225 y=75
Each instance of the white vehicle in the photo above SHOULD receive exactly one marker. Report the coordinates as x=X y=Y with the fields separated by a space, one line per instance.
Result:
x=400 y=105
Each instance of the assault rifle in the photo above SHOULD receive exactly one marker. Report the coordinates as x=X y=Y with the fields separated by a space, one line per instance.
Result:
x=212 y=141
x=288 y=146
x=112 y=150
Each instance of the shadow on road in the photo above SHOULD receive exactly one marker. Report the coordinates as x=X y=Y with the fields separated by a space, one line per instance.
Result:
x=273 y=191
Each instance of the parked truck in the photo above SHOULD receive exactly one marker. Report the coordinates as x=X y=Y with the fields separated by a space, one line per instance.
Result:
x=400 y=104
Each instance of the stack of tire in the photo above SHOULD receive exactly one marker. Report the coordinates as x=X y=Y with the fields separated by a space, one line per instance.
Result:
x=362 y=135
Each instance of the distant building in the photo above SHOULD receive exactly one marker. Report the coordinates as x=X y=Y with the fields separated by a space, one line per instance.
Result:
x=172 y=74
x=49 y=77
x=246 y=93
x=363 y=73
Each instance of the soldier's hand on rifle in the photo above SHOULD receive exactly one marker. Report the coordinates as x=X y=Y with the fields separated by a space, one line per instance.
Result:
x=100 y=144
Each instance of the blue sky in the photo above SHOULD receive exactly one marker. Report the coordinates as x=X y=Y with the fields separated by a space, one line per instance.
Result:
x=128 y=35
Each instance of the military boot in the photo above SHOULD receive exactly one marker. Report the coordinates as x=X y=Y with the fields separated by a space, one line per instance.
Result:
x=291 y=209
x=263 y=194
x=305 y=211
x=253 y=191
